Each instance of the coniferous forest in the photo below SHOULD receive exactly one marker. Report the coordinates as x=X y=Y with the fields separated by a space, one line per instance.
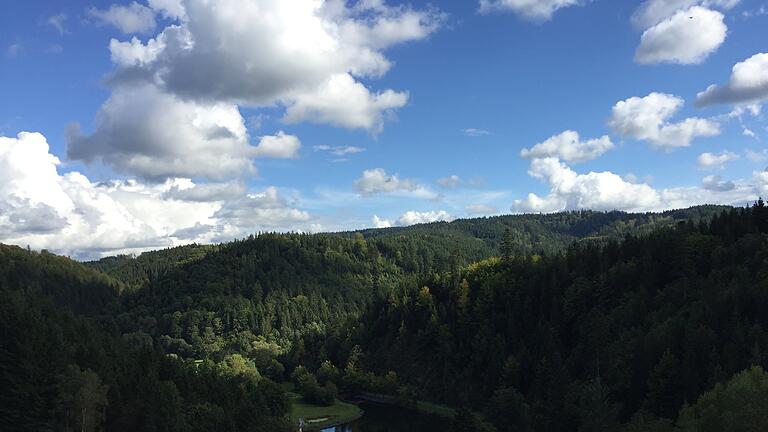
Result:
x=580 y=321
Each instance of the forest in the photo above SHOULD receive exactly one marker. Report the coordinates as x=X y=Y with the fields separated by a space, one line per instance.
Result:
x=585 y=321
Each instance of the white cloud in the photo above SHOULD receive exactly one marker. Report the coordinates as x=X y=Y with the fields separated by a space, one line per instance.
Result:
x=473 y=132
x=717 y=184
x=173 y=9
x=752 y=109
x=651 y=12
x=568 y=146
x=711 y=160
x=748 y=84
x=265 y=210
x=598 y=191
x=747 y=132
x=134 y=18
x=280 y=146
x=377 y=181
x=69 y=214
x=761 y=183
x=647 y=119
x=308 y=57
x=534 y=10
x=143 y=131
x=302 y=53
x=570 y=190
x=687 y=37
x=135 y=53
x=413 y=217
x=380 y=223
x=86 y=215
x=186 y=190
x=344 y=102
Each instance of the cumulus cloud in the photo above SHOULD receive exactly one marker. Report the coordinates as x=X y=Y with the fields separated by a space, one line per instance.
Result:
x=717 y=184
x=134 y=53
x=68 y=213
x=307 y=57
x=748 y=84
x=534 y=10
x=687 y=37
x=280 y=146
x=266 y=210
x=186 y=190
x=377 y=181
x=568 y=146
x=711 y=160
x=144 y=131
x=761 y=183
x=647 y=119
x=570 y=190
x=380 y=223
x=274 y=51
x=413 y=217
x=595 y=190
x=134 y=18
x=173 y=9
x=344 y=102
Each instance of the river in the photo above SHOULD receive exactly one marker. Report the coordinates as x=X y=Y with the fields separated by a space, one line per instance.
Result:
x=381 y=418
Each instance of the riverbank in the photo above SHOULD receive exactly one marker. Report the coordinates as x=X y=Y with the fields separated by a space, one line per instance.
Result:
x=318 y=417
x=419 y=406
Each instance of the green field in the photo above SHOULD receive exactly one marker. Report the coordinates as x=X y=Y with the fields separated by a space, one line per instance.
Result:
x=318 y=417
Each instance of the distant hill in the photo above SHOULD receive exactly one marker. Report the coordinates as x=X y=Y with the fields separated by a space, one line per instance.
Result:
x=422 y=246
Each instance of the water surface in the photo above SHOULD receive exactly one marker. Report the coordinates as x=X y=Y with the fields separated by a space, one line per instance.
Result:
x=381 y=418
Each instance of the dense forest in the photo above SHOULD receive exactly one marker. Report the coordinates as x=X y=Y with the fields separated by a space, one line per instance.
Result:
x=574 y=321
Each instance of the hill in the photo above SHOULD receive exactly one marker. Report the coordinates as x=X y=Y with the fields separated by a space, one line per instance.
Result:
x=572 y=321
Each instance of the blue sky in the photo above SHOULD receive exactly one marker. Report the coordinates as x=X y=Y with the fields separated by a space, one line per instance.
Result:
x=225 y=118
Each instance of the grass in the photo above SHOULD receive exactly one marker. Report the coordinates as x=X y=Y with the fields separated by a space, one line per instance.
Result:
x=318 y=417
x=435 y=409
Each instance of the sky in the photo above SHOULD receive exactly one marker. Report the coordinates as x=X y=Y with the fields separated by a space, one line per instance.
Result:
x=134 y=125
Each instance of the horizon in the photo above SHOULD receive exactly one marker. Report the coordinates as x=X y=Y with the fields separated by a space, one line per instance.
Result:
x=137 y=253
x=149 y=124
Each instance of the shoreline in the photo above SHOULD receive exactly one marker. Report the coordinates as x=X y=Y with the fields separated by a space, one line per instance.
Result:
x=341 y=422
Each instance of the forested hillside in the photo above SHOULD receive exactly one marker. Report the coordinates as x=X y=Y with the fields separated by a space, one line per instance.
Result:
x=61 y=370
x=589 y=338
x=423 y=248
x=573 y=321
